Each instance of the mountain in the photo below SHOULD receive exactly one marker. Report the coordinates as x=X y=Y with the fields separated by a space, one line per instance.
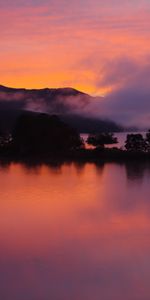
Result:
x=85 y=124
x=60 y=100
x=72 y=105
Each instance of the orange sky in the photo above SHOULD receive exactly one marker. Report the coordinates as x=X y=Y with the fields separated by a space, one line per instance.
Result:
x=52 y=44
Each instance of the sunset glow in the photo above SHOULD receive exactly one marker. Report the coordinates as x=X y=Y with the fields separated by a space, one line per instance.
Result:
x=74 y=149
x=61 y=43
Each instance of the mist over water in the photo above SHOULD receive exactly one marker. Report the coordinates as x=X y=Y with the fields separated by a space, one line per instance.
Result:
x=75 y=231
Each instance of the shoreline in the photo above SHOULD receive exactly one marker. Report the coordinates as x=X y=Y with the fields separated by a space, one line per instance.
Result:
x=96 y=156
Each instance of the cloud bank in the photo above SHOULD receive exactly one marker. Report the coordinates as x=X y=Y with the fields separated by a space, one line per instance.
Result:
x=128 y=101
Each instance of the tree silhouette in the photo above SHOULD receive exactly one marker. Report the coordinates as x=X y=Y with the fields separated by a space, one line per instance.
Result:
x=148 y=140
x=1 y=136
x=101 y=139
x=135 y=142
x=42 y=133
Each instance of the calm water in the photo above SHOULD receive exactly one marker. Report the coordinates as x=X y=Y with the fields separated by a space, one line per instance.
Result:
x=75 y=232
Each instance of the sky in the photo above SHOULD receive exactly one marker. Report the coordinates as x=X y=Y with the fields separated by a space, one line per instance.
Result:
x=101 y=47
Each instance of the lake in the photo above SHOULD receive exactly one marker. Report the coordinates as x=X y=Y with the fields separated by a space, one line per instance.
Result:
x=75 y=232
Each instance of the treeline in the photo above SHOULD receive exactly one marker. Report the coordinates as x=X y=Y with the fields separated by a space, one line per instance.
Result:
x=39 y=133
x=134 y=142
x=43 y=135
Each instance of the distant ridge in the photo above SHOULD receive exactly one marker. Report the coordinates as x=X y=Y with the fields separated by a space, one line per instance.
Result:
x=68 y=103
x=7 y=89
x=65 y=90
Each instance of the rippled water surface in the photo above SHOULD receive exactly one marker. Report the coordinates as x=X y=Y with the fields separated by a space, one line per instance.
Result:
x=75 y=232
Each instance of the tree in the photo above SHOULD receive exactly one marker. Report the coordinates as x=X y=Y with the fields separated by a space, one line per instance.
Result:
x=135 y=142
x=1 y=137
x=148 y=140
x=42 y=133
x=101 y=139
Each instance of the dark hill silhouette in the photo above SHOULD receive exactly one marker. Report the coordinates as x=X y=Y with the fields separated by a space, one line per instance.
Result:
x=39 y=133
x=85 y=124
x=66 y=102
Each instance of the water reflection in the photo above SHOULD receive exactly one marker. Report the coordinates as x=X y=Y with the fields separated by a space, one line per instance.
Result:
x=136 y=171
x=75 y=232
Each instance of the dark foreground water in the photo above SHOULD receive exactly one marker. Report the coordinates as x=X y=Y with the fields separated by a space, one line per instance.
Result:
x=75 y=232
